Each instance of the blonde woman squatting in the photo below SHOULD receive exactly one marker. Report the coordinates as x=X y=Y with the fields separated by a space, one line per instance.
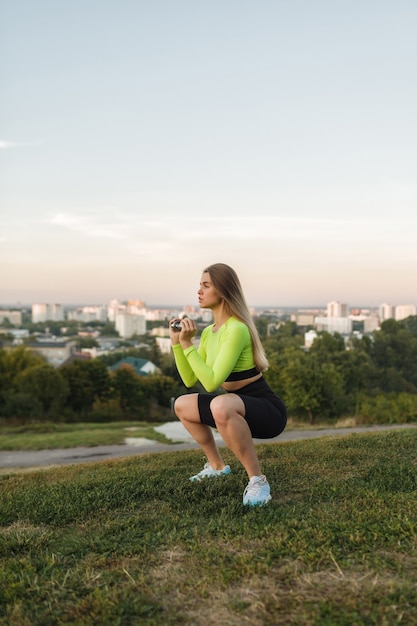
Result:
x=229 y=356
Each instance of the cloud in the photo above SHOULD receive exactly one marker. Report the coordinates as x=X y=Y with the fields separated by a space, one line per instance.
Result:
x=110 y=232
x=88 y=226
x=6 y=145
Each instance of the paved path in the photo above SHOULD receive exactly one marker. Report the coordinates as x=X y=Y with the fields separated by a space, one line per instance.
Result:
x=172 y=430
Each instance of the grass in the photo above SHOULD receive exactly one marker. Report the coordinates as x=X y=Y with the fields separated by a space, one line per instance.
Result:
x=44 y=436
x=133 y=542
x=50 y=435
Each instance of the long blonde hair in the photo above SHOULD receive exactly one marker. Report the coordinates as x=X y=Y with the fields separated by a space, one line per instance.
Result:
x=227 y=283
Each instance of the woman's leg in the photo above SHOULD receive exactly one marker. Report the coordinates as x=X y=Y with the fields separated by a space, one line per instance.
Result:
x=186 y=409
x=229 y=414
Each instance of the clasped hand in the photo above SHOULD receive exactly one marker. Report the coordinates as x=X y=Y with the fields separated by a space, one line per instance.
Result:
x=187 y=332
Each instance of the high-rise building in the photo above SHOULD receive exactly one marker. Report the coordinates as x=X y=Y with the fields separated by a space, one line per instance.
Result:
x=370 y=324
x=386 y=312
x=113 y=309
x=47 y=312
x=402 y=311
x=337 y=309
x=341 y=325
x=128 y=325
x=88 y=314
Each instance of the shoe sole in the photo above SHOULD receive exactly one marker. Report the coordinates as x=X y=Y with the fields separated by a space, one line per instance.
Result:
x=259 y=503
x=198 y=479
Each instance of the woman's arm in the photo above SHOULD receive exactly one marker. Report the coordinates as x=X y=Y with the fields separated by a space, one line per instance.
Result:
x=232 y=342
x=184 y=369
x=187 y=332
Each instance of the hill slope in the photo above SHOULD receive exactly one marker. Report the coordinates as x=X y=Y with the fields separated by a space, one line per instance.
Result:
x=133 y=541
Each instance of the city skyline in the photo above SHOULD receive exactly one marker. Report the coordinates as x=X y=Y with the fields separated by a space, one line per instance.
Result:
x=350 y=309
x=141 y=142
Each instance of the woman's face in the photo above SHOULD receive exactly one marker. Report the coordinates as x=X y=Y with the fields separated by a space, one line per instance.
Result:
x=208 y=296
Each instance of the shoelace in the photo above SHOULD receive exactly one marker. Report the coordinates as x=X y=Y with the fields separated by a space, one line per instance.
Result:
x=254 y=486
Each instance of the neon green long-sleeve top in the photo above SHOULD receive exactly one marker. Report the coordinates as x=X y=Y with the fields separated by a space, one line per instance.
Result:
x=229 y=349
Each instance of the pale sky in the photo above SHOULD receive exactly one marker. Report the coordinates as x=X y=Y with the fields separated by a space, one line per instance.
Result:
x=141 y=141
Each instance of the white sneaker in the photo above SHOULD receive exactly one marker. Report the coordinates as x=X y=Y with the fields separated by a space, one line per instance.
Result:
x=209 y=472
x=257 y=492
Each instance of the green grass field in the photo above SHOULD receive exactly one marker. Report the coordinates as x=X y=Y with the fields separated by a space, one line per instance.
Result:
x=134 y=542
x=51 y=435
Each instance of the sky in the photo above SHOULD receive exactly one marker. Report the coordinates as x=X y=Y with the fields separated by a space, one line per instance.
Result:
x=142 y=141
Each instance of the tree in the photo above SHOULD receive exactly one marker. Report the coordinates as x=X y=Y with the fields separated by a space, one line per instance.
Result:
x=20 y=405
x=163 y=388
x=6 y=323
x=46 y=386
x=311 y=387
x=358 y=373
x=410 y=324
x=87 y=342
x=81 y=394
x=394 y=349
x=99 y=377
x=328 y=346
x=131 y=392
x=387 y=408
x=88 y=381
x=12 y=363
x=109 y=330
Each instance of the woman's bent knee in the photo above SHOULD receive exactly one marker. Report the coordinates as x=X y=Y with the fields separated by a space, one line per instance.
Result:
x=180 y=405
x=224 y=407
x=185 y=407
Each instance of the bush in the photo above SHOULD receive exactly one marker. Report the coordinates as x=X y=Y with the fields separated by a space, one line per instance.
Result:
x=387 y=408
x=20 y=405
x=48 y=388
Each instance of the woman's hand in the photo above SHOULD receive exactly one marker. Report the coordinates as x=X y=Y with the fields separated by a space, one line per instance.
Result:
x=173 y=332
x=187 y=332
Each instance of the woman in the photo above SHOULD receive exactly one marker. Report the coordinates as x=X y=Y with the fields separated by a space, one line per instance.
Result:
x=230 y=355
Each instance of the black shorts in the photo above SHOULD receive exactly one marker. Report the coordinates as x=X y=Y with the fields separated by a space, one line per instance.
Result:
x=266 y=413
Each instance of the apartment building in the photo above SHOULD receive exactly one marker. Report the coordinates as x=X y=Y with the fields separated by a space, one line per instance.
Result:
x=88 y=314
x=14 y=317
x=337 y=309
x=342 y=325
x=43 y=312
x=402 y=311
x=128 y=325
x=54 y=351
x=386 y=312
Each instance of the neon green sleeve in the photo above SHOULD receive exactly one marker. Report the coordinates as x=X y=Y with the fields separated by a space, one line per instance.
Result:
x=188 y=377
x=218 y=354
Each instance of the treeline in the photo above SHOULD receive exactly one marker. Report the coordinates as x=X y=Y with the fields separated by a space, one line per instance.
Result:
x=372 y=378
x=32 y=389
